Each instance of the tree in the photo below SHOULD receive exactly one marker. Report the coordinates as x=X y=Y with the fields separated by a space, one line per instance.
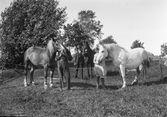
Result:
x=90 y=26
x=75 y=33
x=84 y=29
x=137 y=44
x=29 y=22
x=164 y=49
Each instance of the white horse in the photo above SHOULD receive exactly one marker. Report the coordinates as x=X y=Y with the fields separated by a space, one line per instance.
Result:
x=122 y=58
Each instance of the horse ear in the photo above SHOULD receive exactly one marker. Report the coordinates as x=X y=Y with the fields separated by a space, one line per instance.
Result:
x=100 y=42
x=62 y=46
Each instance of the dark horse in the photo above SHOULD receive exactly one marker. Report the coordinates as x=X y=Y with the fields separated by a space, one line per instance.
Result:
x=35 y=57
x=63 y=67
x=88 y=58
x=79 y=61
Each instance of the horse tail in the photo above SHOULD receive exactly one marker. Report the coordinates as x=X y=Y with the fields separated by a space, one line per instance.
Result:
x=146 y=62
x=26 y=60
x=147 y=59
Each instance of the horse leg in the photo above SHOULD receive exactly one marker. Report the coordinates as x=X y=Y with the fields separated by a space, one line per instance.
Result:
x=60 y=82
x=97 y=82
x=88 y=70
x=51 y=77
x=122 y=69
x=31 y=75
x=60 y=77
x=26 y=72
x=76 y=71
x=92 y=70
x=68 y=79
x=82 y=71
x=144 y=73
x=103 y=82
x=136 y=77
x=45 y=76
x=104 y=71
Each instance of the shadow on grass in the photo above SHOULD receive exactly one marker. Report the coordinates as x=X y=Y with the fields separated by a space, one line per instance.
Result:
x=82 y=85
x=161 y=81
x=157 y=82
x=113 y=87
x=87 y=86
x=113 y=73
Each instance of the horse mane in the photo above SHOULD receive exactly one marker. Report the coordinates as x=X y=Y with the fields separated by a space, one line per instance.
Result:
x=109 y=43
x=50 y=47
x=106 y=41
x=113 y=45
x=87 y=45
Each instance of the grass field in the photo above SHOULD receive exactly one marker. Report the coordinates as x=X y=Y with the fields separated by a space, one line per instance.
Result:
x=84 y=100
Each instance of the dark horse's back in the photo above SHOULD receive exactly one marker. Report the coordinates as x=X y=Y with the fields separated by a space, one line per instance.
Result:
x=63 y=64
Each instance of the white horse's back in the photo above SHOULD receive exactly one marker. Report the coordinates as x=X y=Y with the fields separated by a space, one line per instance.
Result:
x=135 y=57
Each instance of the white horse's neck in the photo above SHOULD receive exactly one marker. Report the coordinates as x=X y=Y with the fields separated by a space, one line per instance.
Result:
x=114 y=48
x=114 y=51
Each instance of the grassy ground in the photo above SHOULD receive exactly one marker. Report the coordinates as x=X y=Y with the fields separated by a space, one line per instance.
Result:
x=84 y=100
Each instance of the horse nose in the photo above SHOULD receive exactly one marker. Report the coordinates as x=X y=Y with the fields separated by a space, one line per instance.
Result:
x=94 y=49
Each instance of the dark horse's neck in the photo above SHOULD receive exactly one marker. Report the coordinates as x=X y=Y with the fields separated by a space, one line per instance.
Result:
x=64 y=58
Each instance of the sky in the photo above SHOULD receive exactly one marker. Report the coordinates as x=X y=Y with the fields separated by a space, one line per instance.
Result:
x=125 y=20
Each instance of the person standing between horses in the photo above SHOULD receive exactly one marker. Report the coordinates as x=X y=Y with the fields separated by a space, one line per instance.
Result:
x=79 y=61
x=88 y=58
x=99 y=70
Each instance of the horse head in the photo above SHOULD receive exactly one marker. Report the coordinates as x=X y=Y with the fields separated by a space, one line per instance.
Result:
x=66 y=53
x=54 y=46
x=102 y=54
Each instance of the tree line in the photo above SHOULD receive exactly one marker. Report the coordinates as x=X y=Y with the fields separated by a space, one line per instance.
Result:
x=28 y=23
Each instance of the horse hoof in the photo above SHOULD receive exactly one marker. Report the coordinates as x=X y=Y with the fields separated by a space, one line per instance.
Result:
x=51 y=85
x=45 y=86
x=33 y=84
x=67 y=88
x=133 y=83
x=25 y=85
x=103 y=87
x=123 y=86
